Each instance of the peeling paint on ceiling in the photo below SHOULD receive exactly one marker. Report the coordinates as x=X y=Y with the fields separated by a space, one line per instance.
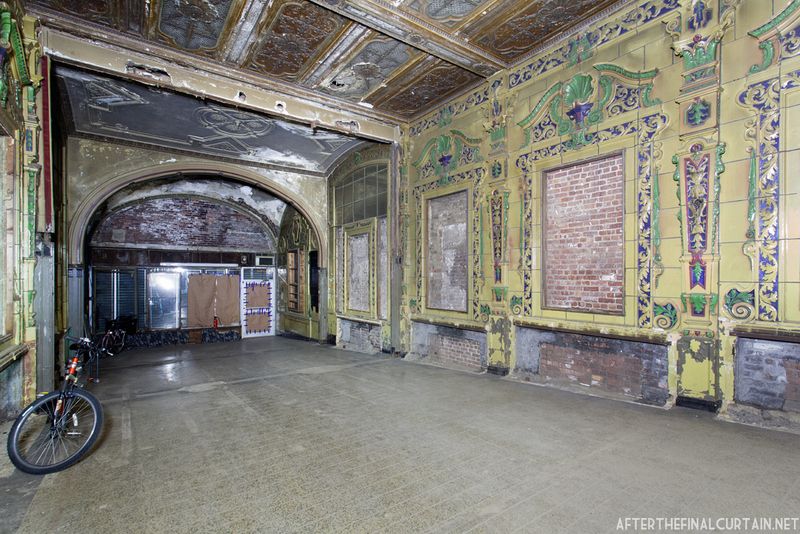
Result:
x=106 y=108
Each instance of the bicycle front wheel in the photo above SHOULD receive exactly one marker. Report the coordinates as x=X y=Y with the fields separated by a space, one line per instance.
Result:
x=42 y=441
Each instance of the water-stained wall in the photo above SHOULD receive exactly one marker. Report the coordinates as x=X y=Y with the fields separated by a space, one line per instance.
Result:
x=697 y=100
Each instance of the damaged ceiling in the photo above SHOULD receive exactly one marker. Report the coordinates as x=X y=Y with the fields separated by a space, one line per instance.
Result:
x=107 y=108
x=401 y=57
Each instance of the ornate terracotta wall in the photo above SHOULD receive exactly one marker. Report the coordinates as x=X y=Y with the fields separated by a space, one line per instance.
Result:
x=27 y=209
x=698 y=98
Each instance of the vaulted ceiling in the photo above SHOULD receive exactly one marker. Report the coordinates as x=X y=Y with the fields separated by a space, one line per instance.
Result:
x=401 y=57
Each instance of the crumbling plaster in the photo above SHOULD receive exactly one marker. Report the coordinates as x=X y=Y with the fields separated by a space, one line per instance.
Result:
x=96 y=171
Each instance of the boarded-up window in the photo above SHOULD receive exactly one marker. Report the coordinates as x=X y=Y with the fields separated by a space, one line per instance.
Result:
x=583 y=237
x=447 y=254
x=294 y=272
x=358 y=272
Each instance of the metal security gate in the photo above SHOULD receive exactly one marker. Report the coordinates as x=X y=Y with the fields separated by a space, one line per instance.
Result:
x=258 y=301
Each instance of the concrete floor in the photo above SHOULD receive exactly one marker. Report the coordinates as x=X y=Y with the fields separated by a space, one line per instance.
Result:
x=277 y=435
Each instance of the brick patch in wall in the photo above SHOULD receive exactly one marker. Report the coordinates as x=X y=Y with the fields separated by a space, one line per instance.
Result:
x=626 y=367
x=359 y=337
x=617 y=373
x=455 y=350
x=583 y=237
x=767 y=374
x=448 y=346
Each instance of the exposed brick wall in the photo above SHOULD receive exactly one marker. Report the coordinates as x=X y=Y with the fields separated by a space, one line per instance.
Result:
x=768 y=374
x=360 y=337
x=617 y=373
x=619 y=366
x=583 y=238
x=446 y=345
x=182 y=223
x=459 y=351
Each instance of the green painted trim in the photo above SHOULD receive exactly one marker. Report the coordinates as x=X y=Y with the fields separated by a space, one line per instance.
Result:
x=616 y=69
x=5 y=26
x=647 y=100
x=676 y=177
x=768 y=51
x=469 y=140
x=596 y=115
x=480 y=233
x=425 y=150
x=564 y=126
x=719 y=169
x=541 y=104
x=752 y=193
x=775 y=22
x=701 y=55
x=656 y=220
x=19 y=55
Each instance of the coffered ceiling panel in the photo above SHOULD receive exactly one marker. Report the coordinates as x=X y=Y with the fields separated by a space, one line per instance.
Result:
x=447 y=13
x=196 y=26
x=432 y=81
x=294 y=35
x=514 y=28
x=401 y=57
x=371 y=64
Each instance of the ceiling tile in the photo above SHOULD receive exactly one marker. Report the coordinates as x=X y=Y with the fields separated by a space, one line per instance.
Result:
x=295 y=34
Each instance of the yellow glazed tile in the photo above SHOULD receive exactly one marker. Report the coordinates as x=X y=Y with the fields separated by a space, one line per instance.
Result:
x=668 y=188
x=671 y=248
x=751 y=15
x=791 y=136
x=553 y=314
x=670 y=226
x=736 y=146
x=734 y=266
x=791 y=182
x=658 y=53
x=731 y=110
x=735 y=181
x=669 y=283
x=791 y=300
x=791 y=256
x=737 y=58
x=791 y=217
x=733 y=221
x=666 y=85
x=630 y=281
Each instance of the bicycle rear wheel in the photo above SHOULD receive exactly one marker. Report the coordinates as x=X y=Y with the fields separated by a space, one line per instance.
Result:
x=118 y=342
x=42 y=442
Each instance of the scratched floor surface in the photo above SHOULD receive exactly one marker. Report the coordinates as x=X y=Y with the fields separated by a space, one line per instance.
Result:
x=277 y=435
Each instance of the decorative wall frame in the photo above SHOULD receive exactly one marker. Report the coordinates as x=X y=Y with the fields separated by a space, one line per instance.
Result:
x=764 y=99
x=641 y=135
x=448 y=195
x=361 y=230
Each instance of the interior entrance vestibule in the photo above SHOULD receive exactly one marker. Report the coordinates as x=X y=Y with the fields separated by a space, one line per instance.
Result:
x=209 y=226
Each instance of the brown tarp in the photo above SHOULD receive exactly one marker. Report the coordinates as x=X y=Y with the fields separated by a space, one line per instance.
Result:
x=257 y=296
x=257 y=323
x=201 y=289
x=228 y=300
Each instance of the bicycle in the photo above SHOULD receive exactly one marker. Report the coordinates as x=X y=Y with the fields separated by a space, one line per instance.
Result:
x=113 y=341
x=58 y=429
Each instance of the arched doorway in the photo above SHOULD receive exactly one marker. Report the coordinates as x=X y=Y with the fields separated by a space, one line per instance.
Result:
x=152 y=241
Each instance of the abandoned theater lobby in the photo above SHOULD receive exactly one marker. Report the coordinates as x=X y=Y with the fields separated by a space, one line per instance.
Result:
x=408 y=266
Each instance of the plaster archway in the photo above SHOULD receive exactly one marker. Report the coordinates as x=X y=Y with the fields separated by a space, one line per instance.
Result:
x=83 y=213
